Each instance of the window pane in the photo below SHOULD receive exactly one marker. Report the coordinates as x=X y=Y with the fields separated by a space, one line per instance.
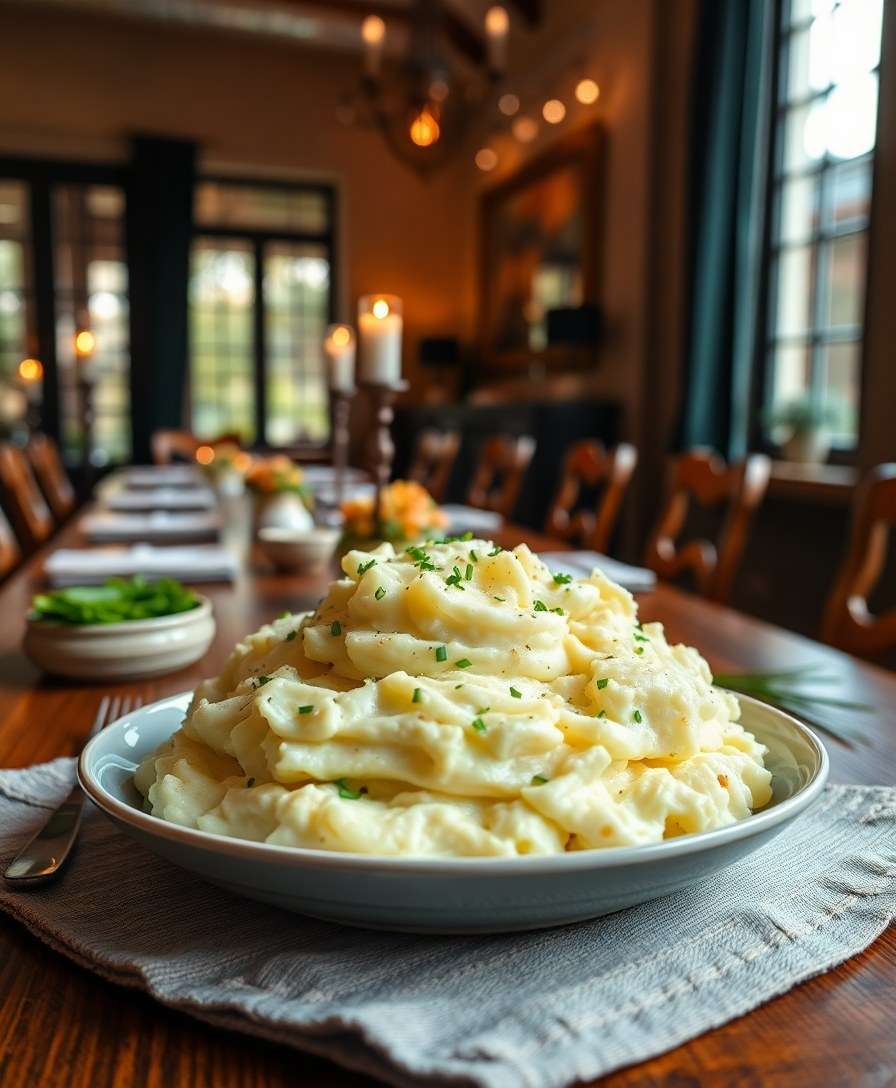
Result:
x=795 y=78
x=793 y=286
x=296 y=297
x=258 y=207
x=844 y=296
x=92 y=294
x=849 y=195
x=222 y=296
x=841 y=383
x=791 y=370
x=15 y=286
x=798 y=209
x=804 y=137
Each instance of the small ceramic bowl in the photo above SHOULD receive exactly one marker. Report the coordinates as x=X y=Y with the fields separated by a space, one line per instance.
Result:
x=298 y=551
x=121 y=651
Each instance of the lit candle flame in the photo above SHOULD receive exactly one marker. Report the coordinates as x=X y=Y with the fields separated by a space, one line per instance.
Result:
x=380 y=309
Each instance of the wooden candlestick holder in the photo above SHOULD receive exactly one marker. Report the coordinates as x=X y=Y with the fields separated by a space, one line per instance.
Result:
x=381 y=450
x=342 y=408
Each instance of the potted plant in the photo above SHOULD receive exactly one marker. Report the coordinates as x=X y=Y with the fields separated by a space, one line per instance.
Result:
x=803 y=422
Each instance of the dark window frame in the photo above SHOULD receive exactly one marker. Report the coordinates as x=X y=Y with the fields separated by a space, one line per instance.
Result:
x=259 y=239
x=816 y=337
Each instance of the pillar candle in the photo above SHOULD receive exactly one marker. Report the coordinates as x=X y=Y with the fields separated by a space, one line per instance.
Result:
x=339 y=348
x=379 y=332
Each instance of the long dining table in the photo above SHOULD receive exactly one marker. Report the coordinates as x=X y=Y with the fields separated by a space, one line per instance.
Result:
x=63 y=1026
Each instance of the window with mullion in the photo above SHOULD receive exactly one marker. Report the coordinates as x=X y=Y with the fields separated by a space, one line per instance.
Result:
x=825 y=120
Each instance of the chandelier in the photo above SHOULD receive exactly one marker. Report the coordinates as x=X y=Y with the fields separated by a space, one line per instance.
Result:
x=423 y=100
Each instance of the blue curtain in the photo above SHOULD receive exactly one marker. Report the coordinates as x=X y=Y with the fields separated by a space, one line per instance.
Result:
x=159 y=234
x=729 y=148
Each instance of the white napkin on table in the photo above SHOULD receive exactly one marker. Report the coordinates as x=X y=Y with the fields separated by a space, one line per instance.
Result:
x=159 y=526
x=581 y=564
x=93 y=566
x=162 y=498
x=159 y=476
x=541 y=1010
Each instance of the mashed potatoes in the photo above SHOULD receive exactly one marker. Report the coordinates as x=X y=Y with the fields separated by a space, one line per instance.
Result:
x=457 y=700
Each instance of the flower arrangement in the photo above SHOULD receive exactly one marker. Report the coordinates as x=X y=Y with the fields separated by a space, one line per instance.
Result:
x=222 y=459
x=407 y=513
x=278 y=475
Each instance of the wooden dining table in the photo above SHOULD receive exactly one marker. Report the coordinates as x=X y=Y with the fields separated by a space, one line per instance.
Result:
x=60 y=1025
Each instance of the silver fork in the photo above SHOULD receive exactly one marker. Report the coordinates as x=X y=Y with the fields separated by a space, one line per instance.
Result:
x=46 y=852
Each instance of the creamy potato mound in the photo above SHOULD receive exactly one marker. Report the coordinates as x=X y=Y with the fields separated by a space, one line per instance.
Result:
x=457 y=699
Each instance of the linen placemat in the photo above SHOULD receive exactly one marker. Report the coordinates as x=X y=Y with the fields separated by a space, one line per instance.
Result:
x=537 y=1009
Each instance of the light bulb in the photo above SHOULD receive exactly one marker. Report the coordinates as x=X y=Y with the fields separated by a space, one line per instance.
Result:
x=424 y=130
x=31 y=370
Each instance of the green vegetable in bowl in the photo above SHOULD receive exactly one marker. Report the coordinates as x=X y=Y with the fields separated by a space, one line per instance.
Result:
x=115 y=602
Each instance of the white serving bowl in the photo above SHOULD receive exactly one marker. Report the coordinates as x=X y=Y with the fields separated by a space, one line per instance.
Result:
x=121 y=651
x=296 y=550
x=450 y=895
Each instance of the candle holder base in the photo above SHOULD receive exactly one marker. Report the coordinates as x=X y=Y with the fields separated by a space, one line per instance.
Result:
x=381 y=449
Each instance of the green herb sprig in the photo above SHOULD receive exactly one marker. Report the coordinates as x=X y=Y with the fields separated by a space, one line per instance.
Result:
x=118 y=601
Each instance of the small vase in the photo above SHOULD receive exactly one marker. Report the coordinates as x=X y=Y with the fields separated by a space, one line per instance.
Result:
x=807 y=448
x=282 y=510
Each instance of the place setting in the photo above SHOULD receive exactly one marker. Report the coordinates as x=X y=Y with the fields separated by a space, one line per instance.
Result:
x=445 y=545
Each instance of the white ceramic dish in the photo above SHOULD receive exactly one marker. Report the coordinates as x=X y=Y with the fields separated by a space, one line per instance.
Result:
x=121 y=651
x=296 y=550
x=475 y=895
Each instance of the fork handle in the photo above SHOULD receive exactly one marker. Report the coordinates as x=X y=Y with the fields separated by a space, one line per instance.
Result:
x=46 y=852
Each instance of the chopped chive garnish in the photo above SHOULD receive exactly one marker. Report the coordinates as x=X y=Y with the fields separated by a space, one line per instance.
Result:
x=558 y=610
x=260 y=681
x=562 y=579
x=639 y=649
x=250 y=782
x=284 y=615
x=602 y=714
x=306 y=709
x=364 y=567
x=290 y=636
x=640 y=638
x=479 y=725
x=496 y=550
x=468 y=574
x=335 y=628
x=417 y=696
x=501 y=599
x=602 y=683
x=474 y=556
x=441 y=653
x=468 y=535
x=380 y=593
x=636 y=716
x=345 y=790
x=483 y=710
x=464 y=663
x=516 y=694
x=538 y=780
x=540 y=606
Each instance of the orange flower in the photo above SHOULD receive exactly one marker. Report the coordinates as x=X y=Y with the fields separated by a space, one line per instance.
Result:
x=407 y=512
x=277 y=473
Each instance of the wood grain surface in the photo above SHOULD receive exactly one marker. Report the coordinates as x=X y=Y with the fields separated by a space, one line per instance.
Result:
x=63 y=1026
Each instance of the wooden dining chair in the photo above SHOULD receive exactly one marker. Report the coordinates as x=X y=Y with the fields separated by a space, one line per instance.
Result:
x=434 y=457
x=702 y=477
x=10 y=552
x=169 y=446
x=499 y=473
x=848 y=621
x=43 y=454
x=589 y=466
x=31 y=517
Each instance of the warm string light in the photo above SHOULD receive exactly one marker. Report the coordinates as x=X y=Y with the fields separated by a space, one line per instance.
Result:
x=587 y=91
x=508 y=104
x=31 y=370
x=553 y=111
x=373 y=33
x=525 y=129
x=497 y=25
x=486 y=159
x=85 y=343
